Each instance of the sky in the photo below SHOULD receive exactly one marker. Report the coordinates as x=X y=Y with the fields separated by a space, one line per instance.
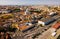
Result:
x=29 y=2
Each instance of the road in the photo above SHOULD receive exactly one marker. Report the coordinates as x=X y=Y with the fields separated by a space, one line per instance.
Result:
x=46 y=34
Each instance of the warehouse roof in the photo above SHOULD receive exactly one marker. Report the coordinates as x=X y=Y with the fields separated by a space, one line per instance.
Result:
x=57 y=25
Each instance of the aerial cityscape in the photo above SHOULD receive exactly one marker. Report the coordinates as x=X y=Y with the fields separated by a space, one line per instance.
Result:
x=27 y=20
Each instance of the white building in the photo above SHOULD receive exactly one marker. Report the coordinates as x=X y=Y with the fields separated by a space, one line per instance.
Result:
x=52 y=13
x=4 y=11
x=41 y=22
x=30 y=24
x=27 y=11
x=53 y=34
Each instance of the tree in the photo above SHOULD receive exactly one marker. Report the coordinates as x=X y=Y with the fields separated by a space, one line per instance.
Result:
x=2 y=29
x=11 y=29
x=16 y=10
x=58 y=37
